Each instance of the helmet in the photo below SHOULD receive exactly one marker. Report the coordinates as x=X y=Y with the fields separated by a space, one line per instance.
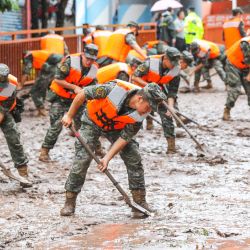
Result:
x=154 y=95
x=173 y=54
x=237 y=10
x=4 y=72
x=187 y=57
x=161 y=47
x=91 y=51
x=194 y=47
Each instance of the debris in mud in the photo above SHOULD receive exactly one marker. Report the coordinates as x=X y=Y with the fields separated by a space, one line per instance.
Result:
x=212 y=161
x=225 y=235
x=244 y=132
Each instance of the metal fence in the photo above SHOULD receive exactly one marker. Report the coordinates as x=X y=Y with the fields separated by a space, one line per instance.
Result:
x=11 y=52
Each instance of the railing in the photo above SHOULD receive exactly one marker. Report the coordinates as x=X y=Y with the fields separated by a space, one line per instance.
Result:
x=11 y=52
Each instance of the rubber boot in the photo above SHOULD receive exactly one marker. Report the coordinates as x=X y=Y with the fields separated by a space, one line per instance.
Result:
x=171 y=145
x=226 y=114
x=196 y=87
x=149 y=123
x=139 y=197
x=23 y=171
x=42 y=112
x=44 y=155
x=98 y=150
x=209 y=85
x=69 y=205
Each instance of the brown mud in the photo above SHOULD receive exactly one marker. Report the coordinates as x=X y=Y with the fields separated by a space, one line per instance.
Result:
x=201 y=202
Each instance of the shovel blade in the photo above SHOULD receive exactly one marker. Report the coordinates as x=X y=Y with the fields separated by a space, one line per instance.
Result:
x=140 y=208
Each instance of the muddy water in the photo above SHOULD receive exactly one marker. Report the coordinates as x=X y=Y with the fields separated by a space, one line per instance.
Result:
x=201 y=202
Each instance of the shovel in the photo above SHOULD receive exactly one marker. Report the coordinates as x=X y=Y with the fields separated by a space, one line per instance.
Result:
x=12 y=176
x=131 y=203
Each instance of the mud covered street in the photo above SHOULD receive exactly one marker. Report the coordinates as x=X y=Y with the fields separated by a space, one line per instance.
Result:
x=201 y=202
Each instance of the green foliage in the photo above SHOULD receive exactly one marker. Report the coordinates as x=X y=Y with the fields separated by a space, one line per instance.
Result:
x=8 y=5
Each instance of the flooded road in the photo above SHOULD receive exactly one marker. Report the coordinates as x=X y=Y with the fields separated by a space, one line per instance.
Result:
x=201 y=202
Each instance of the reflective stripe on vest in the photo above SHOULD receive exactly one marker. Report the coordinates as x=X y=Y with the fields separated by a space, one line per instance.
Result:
x=105 y=112
x=231 y=31
x=116 y=47
x=111 y=72
x=154 y=72
x=235 y=54
x=75 y=77
x=9 y=90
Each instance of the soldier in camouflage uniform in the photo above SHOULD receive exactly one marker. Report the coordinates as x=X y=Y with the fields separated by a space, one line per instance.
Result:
x=130 y=39
x=237 y=73
x=60 y=103
x=205 y=62
x=8 y=114
x=169 y=63
x=117 y=128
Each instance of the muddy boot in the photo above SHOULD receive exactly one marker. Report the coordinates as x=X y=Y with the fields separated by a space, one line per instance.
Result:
x=69 y=205
x=42 y=112
x=23 y=171
x=209 y=85
x=196 y=87
x=139 y=197
x=99 y=151
x=44 y=155
x=226 y=114
x=171 y=145
x=149 y=123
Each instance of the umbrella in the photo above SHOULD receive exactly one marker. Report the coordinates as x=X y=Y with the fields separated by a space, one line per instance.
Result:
x=164 y=4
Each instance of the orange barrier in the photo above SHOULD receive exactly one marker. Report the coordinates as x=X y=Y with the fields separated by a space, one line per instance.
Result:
x=213 y=26
x=11 y=52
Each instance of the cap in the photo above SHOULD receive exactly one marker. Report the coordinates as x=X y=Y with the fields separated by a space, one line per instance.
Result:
x=237 y=10
x=187 y=57
x=154 y=95
x=133 y=24
x=173 y=54
x=4 y=72
x=99 y=27
x=194 y=47
x=91 y=51
x=161 y=47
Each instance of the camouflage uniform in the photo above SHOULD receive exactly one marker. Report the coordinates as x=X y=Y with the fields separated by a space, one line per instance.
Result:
x=61 y=105
x=170 y=91
x=10 y=131
x=236 y=78
x=43 y=80
x=104 y=61
x=91 y=132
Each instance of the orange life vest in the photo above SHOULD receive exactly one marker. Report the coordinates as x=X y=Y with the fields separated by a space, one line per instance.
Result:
x=39 y=57
x=231 y=31
x=53 y=43
x=8 y=91
x=105 y=112
x=75 y=77
x=99 y=38
x=205 y=47
x=154 y=72
x=110 y=72
x=235 y=55
x=117 y=48
x=135 y=54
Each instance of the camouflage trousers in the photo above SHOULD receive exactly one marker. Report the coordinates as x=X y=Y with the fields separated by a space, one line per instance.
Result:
x=58 y=108
x=12 y=137
x=213 y=63
x=130 y=155
x=39 y=89
x=235 y=79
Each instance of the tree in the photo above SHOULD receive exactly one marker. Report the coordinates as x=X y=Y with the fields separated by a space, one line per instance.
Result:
x=8 y=5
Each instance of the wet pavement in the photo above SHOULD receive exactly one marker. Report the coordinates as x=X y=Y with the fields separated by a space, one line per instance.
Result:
x=201 y=202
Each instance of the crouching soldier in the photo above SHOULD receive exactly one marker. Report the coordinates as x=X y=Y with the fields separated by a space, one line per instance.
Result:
x=115 y=110
x=9 y=115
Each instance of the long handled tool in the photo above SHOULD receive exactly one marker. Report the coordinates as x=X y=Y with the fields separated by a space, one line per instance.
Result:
x=9 y=174
x=182 y=124
x=131 y=203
